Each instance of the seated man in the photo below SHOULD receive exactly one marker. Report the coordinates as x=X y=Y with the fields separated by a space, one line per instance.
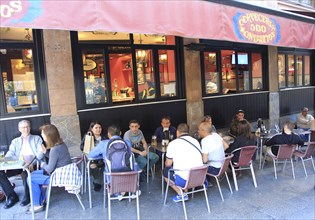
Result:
x=238 y=117
x=304 y=121
x=206 y=118
x=165 y=126
x=287 y=137
x=183 y=153
x=25 y=146
x=140 y=147
x=213 y=147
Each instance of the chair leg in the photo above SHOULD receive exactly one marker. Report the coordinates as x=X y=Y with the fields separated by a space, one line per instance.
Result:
x=78 y=197
x=206 y=196
x=292 y=168
x=263 y=164
x=275 y=169
x=312 y=163
x=148 y=165
x=89 y=184
x=48 y=201
x=304 y=167
x=219 y=188
x=253 y=175
x=184 y=207
x=285 y=163
x=166 y=190
x=227 y=179
x=138 y=209
x=109 y=206
x=234 y=178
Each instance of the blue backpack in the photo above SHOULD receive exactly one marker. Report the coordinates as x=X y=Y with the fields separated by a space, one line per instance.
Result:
x=118 y=158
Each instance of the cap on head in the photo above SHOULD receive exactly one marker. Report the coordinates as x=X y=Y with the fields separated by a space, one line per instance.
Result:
x=240 y=111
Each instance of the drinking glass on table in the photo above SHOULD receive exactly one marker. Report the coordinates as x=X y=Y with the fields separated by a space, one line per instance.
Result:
x=1 y=155
x=154 y=141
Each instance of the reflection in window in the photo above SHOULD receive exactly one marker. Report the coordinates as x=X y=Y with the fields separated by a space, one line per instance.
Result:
x=257 y=71
x=167 y=72
x=94 y=77
x=290 y=70
x=211 y=74
x=104 y=36
x=145 y=74
x=228 y=71
x=121 y=74
x=281 y=70
x=243 y=70
x=299 y=70
x=18 y=79
x=153 y=39
x=16 y=34
x=307 y=70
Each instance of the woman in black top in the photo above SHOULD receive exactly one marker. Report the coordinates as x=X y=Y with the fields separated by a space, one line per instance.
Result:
x=97 y=166
x=244 y=138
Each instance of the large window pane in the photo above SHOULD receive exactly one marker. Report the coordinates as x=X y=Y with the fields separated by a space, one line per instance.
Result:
x=121 y=74
x=167 y=72
x=243 y=70
x=145 y=74
x=228 y=71
x=17 y=71
x=94 y=76
x=257 y=71
x=104 y=36
x=281 y=70
x=211 y=74
x=307 y=70
x=291 y=68
x=16 y=34
x=299 y=70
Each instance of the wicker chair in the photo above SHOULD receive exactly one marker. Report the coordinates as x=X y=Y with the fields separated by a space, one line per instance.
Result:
x=117 y=182
x=285 y=153
x=306 y=155
x=196 y=178
x=244 y=162
x=222 y=171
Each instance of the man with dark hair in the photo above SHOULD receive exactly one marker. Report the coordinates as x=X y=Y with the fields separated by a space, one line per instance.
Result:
x=183 y=153
x=240 y=115
x=286 y=137
x=140 y=146
x=165 y=128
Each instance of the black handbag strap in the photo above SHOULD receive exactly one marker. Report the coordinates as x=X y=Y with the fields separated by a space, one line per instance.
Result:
x=191 y=144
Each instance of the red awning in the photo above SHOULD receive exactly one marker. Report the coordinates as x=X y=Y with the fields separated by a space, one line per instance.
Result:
x=194 y=19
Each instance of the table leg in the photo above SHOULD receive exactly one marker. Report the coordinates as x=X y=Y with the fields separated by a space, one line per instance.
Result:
x=163 y=154
x=260 y=151
x=31 y=191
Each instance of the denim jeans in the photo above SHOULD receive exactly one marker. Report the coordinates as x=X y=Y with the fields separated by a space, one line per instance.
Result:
x=38 y=180
x=142 y=161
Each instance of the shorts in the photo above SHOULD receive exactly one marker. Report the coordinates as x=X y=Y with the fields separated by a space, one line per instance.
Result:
x=178 y=180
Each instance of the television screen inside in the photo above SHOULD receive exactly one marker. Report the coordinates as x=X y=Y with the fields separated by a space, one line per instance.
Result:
x=241 y=58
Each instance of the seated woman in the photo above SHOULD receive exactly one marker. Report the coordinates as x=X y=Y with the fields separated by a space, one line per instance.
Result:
x=58 y=157
x=244 y=138
x=97 y=166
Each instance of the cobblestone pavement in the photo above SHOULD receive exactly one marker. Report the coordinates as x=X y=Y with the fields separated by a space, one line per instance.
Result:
x=284 y=198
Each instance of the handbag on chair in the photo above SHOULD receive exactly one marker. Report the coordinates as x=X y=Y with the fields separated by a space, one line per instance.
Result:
x=88 y=142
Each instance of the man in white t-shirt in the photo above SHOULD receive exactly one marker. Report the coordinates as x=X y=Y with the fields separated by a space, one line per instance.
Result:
x=26 y=147
x=213 y=147
x=183 y=153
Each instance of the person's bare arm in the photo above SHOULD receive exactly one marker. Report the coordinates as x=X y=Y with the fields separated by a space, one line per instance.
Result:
x=204 y=158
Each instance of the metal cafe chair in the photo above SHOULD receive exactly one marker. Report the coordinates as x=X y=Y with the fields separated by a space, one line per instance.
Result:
x=71 y=177
x=117 y=182
x=196 y=178
x=222 y=171
x=306 y=155
x=285 y=153
x=244 y=163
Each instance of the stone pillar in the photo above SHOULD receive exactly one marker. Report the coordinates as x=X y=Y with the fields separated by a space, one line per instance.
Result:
x=194 y=104
x=274 y=99
x=61 y=90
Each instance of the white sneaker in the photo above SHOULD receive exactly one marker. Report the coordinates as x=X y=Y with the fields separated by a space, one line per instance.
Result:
x=133 y=196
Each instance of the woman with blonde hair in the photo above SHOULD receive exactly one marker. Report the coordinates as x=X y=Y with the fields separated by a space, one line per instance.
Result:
x=57 y=152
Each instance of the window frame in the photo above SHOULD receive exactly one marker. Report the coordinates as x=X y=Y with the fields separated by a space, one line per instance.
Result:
x=237 y=48
x=39 y=74
x=79 y=46
x=295 y=53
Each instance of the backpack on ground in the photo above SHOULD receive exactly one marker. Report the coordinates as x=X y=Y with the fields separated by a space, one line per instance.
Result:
x=118 y=158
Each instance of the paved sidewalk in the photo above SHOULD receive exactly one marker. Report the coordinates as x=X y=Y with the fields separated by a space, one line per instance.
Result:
x=284 y=198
